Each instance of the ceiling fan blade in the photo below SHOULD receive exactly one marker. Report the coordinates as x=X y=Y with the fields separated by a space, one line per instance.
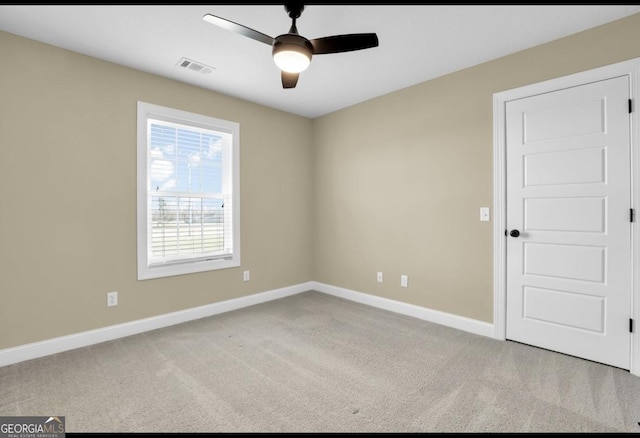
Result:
x=289 y=80
x=238 y=28
x=344 y=43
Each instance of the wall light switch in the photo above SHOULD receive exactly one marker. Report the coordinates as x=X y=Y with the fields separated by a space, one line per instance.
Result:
x=484 y=214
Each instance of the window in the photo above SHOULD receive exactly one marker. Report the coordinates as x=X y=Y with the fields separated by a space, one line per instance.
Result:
x=188 y=192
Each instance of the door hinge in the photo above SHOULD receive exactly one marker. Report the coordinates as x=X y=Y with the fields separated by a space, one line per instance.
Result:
x=630 y=325
x=632 y=215
x=630 y=106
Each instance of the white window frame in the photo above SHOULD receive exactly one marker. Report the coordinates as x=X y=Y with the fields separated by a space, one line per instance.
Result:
x=147 y=270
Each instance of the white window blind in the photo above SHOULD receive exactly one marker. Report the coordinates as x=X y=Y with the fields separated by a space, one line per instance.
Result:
x=190 y=178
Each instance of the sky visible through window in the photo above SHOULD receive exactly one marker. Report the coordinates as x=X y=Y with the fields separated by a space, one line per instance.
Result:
x=185 y=160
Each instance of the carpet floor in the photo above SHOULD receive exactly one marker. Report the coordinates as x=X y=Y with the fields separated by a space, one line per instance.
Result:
x=317 y=363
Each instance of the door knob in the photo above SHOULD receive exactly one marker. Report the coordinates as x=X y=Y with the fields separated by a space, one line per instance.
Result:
x=514 y=233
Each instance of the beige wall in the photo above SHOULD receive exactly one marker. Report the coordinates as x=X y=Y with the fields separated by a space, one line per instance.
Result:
x=393 y=185
x=68 y=195
x=400 y=179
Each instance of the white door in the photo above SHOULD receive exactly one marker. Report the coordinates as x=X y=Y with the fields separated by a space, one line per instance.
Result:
x=569 y=197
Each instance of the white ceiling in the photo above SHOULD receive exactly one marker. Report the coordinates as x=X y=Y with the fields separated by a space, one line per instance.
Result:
x=417 y=43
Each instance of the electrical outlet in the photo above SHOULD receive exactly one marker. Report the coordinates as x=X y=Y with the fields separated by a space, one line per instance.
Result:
x=246 y=276
x=379 y=277
x=404 y=281
x=112 y=299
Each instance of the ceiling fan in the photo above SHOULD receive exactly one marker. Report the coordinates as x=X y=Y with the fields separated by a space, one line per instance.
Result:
x=292 y=52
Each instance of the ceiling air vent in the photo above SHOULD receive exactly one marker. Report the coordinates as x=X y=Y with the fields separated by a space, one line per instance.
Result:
x=195 y=66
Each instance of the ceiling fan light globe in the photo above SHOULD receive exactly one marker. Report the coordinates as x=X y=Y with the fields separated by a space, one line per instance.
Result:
x=292 y=53
x=291 y=61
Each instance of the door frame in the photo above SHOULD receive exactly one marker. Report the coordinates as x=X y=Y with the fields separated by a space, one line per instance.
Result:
x=630 y=68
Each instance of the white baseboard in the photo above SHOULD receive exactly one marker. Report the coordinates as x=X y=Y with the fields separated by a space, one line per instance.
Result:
x=57 y=345
x=458 y=322
x=70 y=342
